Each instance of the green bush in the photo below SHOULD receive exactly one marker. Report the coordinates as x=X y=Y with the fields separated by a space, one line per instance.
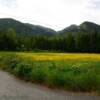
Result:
x=23 y=70
x=38 y=74
x=55 y=79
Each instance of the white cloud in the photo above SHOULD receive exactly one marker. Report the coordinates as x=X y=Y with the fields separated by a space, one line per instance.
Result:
x=8 y=3
x=96 y=4
x=56 y=14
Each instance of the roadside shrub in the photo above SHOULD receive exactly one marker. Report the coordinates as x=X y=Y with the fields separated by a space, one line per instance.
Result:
x=23 y=70
x=88 y=82
x=13 y=63
x=38 y=74
x=55 y=78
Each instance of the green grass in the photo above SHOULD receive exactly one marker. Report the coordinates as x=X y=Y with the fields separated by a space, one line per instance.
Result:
x=74 y=75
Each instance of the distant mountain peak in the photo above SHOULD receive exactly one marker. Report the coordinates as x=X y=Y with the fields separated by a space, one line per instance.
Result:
x=88 y=22
x=85 y=27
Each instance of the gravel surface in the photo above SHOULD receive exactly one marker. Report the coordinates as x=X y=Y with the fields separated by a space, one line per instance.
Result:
x=15 y=89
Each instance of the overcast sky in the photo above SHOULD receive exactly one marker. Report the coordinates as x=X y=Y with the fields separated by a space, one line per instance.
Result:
x=56 y=14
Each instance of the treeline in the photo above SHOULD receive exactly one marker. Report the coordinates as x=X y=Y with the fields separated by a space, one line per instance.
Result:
x=9 y=41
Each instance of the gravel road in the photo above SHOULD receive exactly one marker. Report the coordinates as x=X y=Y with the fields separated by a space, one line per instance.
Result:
x=15 y=89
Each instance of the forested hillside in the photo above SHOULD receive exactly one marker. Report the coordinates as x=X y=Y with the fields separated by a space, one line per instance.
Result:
x=23 y=29
x=18 y=36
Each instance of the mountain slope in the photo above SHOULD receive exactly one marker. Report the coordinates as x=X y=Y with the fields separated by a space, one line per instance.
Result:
x=40 y=29
x=26 y=29
x=85 y=27
x=23 y=29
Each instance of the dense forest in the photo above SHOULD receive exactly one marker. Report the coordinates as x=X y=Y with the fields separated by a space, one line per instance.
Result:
x=68 y=43
x=71 y=39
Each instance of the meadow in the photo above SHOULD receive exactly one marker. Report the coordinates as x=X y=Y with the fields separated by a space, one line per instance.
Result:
x=68 y=71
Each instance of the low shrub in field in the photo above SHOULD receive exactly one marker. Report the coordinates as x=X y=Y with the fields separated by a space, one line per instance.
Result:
x=87 y=82
x=23 y=70
x=38 y=74
x=55 y=79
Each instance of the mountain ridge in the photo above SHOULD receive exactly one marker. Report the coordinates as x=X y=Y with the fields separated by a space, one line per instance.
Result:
x=24 y=28
x=27 y=29
x=85 y=27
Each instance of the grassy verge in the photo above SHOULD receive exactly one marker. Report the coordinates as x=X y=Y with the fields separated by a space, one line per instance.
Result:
x=75 y=75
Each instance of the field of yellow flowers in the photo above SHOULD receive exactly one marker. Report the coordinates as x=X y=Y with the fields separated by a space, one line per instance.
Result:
x=59 y=56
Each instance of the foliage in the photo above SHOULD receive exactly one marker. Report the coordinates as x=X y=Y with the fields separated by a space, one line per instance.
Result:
x=78 y=74
x=17 y=36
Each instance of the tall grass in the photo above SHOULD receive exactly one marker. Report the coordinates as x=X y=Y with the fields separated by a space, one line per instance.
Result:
x=76 y=75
